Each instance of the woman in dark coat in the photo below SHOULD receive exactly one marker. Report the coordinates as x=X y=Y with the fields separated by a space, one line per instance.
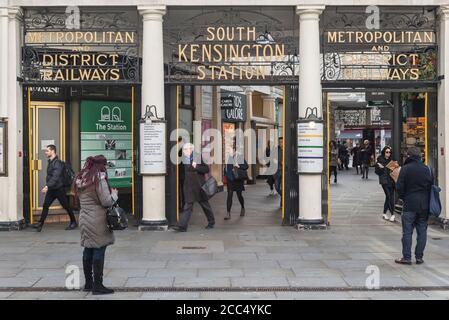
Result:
x=95 y=196
x=365 y=158
x=193 y=181
x=355 y=152
x=386 y=181
x=333 y=160
x=235 y=163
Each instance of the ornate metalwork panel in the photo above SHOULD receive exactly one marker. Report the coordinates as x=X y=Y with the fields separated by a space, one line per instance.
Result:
x=103 y=47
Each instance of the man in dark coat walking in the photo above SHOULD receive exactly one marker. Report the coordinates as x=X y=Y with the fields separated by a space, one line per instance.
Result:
x=413 y=186
x=54 y=188
x=193 y=181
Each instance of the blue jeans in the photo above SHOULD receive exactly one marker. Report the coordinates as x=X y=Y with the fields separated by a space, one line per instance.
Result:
x=92 y=254
x=411 y=220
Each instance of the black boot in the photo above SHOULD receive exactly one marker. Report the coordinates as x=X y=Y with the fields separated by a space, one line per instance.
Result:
x=87 y=267
x=98 y=287
x=72 y=225
x=38 y=226
x=242 y=212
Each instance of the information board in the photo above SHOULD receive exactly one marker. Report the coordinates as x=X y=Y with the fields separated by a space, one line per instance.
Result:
x=106 y=129
x=153 y=148
x=310 y=147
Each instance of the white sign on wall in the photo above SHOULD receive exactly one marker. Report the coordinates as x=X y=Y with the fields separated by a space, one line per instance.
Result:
x=153 y=148
x=310 y=147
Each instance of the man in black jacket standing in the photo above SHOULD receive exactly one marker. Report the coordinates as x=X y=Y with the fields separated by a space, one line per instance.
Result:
x=54 y=188
x=413 y=186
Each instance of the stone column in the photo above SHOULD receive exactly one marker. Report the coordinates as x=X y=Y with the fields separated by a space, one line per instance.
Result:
x=4 y=61
x=309 y=95
x=11 y=186
x=443 y=111
x=153 y=217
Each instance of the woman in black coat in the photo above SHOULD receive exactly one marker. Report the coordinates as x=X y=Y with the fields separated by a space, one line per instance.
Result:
x=365 y=158
x=235 y=163
x=386 y=181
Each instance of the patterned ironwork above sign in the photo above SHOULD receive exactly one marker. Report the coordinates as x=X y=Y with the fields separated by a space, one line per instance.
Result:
x=105 y=47
x=243 y=45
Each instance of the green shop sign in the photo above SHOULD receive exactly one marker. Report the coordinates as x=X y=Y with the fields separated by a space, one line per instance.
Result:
x=106 y=130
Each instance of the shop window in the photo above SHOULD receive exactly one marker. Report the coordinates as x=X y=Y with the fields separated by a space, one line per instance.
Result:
x=413 y=122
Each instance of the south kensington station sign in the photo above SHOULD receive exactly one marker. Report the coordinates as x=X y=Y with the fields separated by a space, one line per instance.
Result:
x=231 y=53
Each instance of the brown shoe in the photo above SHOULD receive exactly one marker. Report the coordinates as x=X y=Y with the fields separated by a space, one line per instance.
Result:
x=403 y=261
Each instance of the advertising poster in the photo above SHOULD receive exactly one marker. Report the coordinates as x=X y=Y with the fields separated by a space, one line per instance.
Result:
x=106 y=129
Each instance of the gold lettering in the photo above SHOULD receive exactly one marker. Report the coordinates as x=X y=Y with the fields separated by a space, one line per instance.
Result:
x=181 y=53
x=211 y=35
x=202 y=74
x=332 y=37
x=115 y=74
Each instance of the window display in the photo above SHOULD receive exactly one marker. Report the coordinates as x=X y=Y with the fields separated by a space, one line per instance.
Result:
x=413 y=123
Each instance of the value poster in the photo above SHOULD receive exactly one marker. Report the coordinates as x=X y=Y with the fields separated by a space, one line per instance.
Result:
x=106 y=129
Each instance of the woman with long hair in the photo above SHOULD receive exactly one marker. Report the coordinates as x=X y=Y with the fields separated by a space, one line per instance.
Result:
x=94 y=195
x=235 y=163
x=386 y=181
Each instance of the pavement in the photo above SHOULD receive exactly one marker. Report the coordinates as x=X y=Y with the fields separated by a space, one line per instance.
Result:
x=251 y=257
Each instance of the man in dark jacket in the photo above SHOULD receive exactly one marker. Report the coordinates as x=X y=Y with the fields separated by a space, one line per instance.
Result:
x=193 y=181
x=413 y=186
x=54 y=188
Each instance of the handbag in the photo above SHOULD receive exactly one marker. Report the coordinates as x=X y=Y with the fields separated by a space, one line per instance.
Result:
x=434 y=201
x=210 y=187
x=116 y=218
x=239 y=174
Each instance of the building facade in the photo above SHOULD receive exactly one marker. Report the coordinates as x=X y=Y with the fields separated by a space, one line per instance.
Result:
x=127 y=79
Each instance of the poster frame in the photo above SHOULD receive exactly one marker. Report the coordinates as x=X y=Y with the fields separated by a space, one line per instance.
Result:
x=141 y=157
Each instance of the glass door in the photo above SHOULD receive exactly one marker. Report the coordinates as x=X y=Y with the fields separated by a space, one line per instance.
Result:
x=47 y=127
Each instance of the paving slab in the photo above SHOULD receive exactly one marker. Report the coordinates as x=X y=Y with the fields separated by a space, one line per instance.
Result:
x=202 y=282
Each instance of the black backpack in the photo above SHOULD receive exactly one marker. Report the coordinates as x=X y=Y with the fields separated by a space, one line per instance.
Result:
x=67 y=175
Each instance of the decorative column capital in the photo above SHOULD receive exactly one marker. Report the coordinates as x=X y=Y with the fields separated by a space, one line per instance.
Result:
x=3 y=12
x=15 y=13
x=443 y=12
x=155 y=12
x=309 y=12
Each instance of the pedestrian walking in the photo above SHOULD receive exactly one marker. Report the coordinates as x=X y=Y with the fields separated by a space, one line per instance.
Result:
x=193 y=180
x=413 y=186
x=278 y=165
x=333 y=160
x=270 y=179
x=181 y=175
x=365 y=158
x=54 y=188
x=355 y=152
x=386 y=181
x=235 y=172
x=343 y=155
x=94 y=195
